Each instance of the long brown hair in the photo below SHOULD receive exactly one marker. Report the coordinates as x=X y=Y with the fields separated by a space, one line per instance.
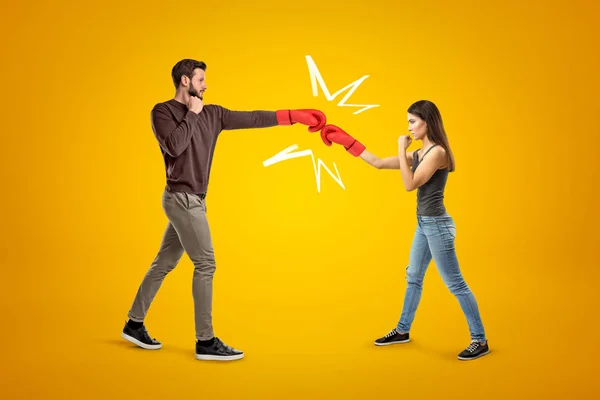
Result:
x=429 y=113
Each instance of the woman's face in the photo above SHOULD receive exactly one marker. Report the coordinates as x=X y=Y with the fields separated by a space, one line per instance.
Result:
x=417 y=127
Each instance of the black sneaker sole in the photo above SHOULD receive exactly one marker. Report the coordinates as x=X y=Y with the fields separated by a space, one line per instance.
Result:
x=212 y=357
x=142 y=345
x=395 y=342
x=473 y=358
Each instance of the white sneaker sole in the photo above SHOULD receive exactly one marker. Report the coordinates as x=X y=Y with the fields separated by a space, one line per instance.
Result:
x=473 y=358
x=390 y=343
x=142 y=345
x=208 y=357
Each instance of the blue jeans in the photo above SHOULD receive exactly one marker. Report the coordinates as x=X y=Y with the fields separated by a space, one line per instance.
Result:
x=434 y=237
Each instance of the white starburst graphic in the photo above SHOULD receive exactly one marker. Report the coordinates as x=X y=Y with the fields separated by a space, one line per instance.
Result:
x=316 y=78
x=287 y=154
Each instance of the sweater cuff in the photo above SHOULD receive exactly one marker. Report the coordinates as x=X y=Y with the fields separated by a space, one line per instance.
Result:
x=192 y=116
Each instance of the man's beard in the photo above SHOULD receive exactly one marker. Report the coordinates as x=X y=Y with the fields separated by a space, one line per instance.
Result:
x=194 y=92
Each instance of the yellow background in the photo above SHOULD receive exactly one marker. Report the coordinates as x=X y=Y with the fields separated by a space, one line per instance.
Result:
x=305 y=281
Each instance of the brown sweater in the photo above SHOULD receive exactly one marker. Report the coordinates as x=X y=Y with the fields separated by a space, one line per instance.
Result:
x=187 y=140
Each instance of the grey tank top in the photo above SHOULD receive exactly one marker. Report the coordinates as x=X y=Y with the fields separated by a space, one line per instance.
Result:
x=430 y=196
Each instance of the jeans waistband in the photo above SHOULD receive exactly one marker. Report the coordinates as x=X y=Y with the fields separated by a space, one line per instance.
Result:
x=433 y=217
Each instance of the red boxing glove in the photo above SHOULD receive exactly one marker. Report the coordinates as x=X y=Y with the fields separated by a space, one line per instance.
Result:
x=332 y=133
x=315 y=119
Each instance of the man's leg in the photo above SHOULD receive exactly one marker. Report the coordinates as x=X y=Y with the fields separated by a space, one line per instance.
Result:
x=187 y=213
x=168 y=256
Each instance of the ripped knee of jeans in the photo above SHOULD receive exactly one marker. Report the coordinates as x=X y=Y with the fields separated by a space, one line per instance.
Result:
x=413 y=278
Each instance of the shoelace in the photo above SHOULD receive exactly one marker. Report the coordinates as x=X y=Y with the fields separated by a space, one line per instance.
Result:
x=223 y=346
x=473 y=346
x=146 y=335
x=392 y=333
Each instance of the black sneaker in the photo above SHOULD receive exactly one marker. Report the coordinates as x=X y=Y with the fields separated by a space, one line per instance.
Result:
x=474 y=350
x=393 y=338
x=218 y=351
x=140 y=337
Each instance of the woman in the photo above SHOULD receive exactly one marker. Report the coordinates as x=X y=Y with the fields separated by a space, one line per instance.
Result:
x=435 y=232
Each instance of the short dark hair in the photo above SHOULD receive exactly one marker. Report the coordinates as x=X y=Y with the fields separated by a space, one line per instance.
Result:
x=185 y=67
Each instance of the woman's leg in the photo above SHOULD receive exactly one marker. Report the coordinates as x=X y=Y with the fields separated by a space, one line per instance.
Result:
x=420 y=257
x=440 y=232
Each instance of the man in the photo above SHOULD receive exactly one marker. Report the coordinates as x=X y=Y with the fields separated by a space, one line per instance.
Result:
x=187 y=132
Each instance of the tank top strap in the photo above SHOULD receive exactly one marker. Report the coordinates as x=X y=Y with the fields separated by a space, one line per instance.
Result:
x=428 y=150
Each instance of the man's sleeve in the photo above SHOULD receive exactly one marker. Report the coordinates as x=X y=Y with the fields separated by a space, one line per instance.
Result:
x=173 y=138
x=246 y=119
